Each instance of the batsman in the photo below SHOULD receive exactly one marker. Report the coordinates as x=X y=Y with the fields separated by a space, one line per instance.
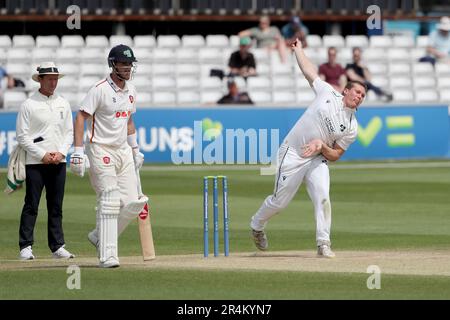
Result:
x=113 y=153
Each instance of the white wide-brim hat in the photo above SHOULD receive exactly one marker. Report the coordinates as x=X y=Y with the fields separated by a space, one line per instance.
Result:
x=46 y=68
x=444 y=24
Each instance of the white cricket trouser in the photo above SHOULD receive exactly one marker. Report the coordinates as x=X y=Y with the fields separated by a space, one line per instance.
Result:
x=292 y=171
x=110 y=167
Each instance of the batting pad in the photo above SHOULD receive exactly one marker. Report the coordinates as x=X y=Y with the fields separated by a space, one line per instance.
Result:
x=129 y=212
x=108 y=208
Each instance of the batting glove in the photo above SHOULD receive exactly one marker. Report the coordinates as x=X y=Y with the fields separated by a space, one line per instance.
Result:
x=77 y=162
x=138 y=158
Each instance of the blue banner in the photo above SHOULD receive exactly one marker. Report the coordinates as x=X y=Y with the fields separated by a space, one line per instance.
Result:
x=252 y=135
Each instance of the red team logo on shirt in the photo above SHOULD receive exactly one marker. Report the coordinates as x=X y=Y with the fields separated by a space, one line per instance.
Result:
x=106 y=160
x=122 y=114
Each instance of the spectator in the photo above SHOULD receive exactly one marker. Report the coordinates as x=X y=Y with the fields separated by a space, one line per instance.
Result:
x=267 y=37
x=234 y=96
x=295 y=29
x=357 y=71
x=438 y=48
x=6 y=82
x=242 y=62
x=332 y=72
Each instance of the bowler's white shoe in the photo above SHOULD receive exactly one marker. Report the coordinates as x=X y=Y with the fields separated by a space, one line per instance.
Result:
x=112 y=262
x=324 y=251
x=260 y=239
x=62 y=253
x=26 y=254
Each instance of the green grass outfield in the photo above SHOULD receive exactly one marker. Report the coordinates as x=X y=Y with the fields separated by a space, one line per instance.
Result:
x=374 y=209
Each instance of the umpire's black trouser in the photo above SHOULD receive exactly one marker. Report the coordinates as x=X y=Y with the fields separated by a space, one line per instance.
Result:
x=53 y=178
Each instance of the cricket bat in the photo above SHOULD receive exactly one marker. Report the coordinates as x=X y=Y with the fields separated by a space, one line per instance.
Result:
x=145 y=227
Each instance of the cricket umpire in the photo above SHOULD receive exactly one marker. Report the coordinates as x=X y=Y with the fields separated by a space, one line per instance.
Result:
x=45 y=131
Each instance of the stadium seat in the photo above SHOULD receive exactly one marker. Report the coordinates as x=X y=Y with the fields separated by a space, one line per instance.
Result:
x=403 y=96
x=422 y=41
x=72 y=41
x=261 y=55
x=188 y=69
x=143 y=55
x=423 y=68
x=19 y=55
x=188 y=97
x=80 y=97
x=424 y=82
x=23 y=41
x=193 y=41
x=68 y=84
x=261 y=97
x=20 y=70
x=398 y=54
x=164 y=98
x=403 y=41
x=90 y=69
x=144 y=70
x=442 y=68
x=169 y=41
x=70 y=69
x=380 y=81
x=142 y=83
x=234 y=41
x=48 y=42
x=263 y=69
x=210 y=97
x=147 y=41
x=163 y=55
x=184 y=83
x=374 y=54
x=71 y=97
x=187 y=55
x=259 y=83
x=93 y=55
x=314 y=41
x=445 y=96
x=284 y=97
x=304 y=98
x=333 y=41
x=116 y=40
x=400 y=82
x=378 y=68
x=302 y=83
x=43 y=54
x=416 y=54
x=427 y=96
x=13 y=99
x=3 y=56
x=353 y=41
x=283 y=82
x=381 y=42
x=211 y=83
x=399 y=68
x=444 y=82
x=5 y=42
x=67 y=55
x=101 y=42
x=163 y=82
x=211 y=55
x=85 y=83
x=143 y=99
x=163 y=69
x=217 y=41
x=344 y=56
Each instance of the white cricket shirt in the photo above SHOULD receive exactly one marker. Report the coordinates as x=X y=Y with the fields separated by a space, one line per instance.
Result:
x=44 y=124
x=110 y=108
x=326 y=119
